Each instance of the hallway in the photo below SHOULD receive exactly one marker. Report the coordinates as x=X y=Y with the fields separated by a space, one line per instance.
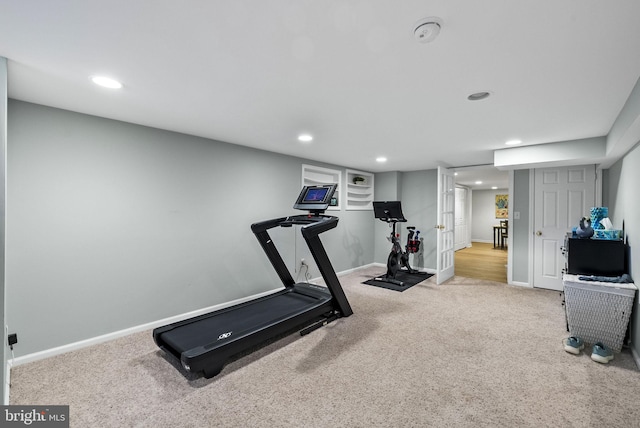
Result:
x=482 y=261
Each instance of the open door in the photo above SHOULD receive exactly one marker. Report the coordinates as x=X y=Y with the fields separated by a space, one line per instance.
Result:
x=445 y=226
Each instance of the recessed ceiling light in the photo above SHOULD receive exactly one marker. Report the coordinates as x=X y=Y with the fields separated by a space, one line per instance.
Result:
x=494 y=187
x=106 y=82
x=478 y=182
x=381 y=159
x=513 y=142
x=477 y=96
x=305 y=138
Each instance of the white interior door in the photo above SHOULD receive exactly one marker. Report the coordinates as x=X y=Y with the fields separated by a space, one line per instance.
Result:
x=562 y=197
x=462 y=226
x=446 y=224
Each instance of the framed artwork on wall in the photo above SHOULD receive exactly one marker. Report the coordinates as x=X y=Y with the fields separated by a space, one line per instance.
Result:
x=502 y=206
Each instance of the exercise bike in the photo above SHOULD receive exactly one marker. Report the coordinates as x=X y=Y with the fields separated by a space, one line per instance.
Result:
x=398 y=260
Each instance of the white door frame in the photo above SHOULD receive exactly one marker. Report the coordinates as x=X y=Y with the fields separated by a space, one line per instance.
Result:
x=510 y=230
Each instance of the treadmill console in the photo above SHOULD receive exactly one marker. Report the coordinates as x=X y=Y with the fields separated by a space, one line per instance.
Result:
x=315 y=199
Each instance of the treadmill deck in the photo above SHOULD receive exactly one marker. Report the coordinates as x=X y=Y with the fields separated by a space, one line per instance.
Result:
x=214 y=330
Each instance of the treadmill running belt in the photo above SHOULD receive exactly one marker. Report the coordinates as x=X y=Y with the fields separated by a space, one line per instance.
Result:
x=245 y=318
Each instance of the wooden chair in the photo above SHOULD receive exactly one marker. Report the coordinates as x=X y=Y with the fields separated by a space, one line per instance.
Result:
x=504 y=232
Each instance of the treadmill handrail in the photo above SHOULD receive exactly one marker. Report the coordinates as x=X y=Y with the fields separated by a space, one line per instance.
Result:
x=318 y=224
x=314 y=225
x=311 y=236
x=261 y=229
x=262 y=226
x=311 y=227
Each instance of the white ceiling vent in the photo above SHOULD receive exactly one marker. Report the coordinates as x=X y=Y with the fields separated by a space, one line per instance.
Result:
x=427 y=29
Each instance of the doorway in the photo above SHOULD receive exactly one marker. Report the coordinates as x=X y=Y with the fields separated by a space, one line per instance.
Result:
x=482 y=255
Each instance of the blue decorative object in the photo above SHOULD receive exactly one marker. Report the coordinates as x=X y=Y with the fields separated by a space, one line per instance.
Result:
x=597 y=214
x=584 y=230
x=609 y=234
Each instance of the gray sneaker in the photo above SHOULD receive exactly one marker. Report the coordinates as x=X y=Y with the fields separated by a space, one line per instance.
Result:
x=573 y=345
x=601 y=353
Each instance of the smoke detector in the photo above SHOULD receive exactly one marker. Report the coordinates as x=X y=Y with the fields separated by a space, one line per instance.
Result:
x=427 y=29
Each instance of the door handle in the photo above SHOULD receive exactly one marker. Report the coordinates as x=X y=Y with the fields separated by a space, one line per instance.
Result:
x=439 y=226
x=538 y=233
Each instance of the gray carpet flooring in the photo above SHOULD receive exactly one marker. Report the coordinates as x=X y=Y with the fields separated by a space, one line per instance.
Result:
x=468 y=353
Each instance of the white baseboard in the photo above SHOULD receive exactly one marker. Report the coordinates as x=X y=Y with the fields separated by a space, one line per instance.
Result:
x=521 y=284
x=7 y=384
x=126 y=332
x=348 y=271
x=149 y=326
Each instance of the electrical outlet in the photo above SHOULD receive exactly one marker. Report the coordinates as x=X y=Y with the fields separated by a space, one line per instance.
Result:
x=12 y=339
x=302 y=265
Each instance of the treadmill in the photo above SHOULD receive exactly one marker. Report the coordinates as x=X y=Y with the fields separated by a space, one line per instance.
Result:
x=205 y=343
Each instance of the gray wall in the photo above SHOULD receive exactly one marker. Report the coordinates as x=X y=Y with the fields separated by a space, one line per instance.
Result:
x=418 y=192
x=520 y=227
x=620 y=194
x=420 y=207
x=3 y=181
x=388 y=188
x=483 y=217
x=112 y=225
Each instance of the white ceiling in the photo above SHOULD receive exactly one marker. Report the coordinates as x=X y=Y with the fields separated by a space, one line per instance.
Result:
x=258 y=73
x=482 y=177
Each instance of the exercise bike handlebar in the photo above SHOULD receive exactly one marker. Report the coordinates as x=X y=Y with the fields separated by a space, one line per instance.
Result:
x=393 y=220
